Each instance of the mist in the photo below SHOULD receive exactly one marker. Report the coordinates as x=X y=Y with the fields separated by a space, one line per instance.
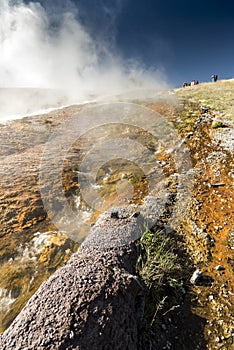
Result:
x=51 y=58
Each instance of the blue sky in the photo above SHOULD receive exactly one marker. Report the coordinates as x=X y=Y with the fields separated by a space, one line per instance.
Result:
x=187 y=39
x=195 y=37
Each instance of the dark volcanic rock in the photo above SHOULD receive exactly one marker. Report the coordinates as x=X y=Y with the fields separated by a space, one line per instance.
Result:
x=94 y=302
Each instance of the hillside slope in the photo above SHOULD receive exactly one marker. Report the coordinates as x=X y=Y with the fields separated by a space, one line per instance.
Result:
x=203 y=117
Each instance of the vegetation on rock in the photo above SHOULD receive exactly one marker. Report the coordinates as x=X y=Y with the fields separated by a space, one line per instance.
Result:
x=159 y=267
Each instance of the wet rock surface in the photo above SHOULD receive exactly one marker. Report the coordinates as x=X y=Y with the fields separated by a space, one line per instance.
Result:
x=31 y=247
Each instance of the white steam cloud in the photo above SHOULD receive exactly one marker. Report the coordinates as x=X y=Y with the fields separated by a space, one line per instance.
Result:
x=43 y=52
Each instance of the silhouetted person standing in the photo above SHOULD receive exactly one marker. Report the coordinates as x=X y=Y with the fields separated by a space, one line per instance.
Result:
x=214 y=77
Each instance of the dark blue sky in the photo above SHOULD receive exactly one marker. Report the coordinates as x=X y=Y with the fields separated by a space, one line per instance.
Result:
x=190 y=39
x=187 y=39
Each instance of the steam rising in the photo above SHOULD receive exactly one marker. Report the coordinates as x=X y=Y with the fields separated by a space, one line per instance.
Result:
x=57 y=52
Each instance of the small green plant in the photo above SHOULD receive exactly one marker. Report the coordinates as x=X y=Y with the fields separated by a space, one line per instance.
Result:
x=218 y=124
x=48 y=121
x=158 y=266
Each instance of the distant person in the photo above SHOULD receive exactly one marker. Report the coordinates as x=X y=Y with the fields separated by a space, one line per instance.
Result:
x=196 y=82
x=214 y=77
x=192 y=82
x=185 y=84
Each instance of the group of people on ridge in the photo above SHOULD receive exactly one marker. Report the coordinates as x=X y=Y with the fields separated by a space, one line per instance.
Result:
x=214 y=78
x=192 y=83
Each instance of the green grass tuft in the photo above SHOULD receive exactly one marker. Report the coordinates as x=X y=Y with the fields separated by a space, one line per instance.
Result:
x=158 y=266
x=218 y=124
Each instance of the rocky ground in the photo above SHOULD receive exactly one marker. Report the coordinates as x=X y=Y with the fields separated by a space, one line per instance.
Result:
x=207 y=232
x=32 y=248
